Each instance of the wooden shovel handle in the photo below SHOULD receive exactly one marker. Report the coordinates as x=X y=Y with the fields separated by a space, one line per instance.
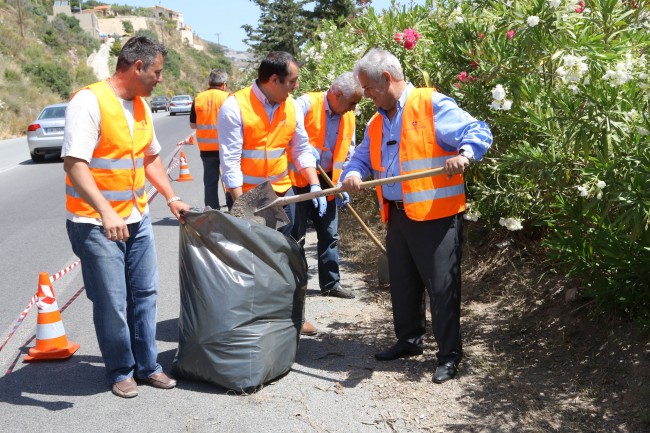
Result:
x=283 y=201
x=353 y=212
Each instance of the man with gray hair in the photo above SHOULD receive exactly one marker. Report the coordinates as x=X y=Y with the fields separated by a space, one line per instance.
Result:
x=330 y=125
x=416 y=129
x=203 y=118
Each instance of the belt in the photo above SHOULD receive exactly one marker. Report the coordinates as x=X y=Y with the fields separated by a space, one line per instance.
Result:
x=397 y=204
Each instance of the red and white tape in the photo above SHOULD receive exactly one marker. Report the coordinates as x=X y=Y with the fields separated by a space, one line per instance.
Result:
x=152 y=193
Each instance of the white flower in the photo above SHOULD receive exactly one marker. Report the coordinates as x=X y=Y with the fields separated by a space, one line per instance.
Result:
x=619 y=75
x=573 y=88
x=511 y=224
x=554 y=3
x=583 y=191
x=472 y=215
x=573 y=68
x=495 y=105
x=601 y=184
x=507 y=105
x=641 y=130
x=322 y=35
x=599 y=195
x=498 y=93
x=532 y=21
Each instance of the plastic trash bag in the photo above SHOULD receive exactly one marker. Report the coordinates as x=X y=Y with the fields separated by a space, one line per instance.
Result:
x=242 y=288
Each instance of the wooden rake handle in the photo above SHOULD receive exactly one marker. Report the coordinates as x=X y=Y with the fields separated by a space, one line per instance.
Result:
x=353 y=212
x=283 y=201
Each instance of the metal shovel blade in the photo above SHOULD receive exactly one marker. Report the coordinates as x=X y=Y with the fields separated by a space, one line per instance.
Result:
x=254 y=207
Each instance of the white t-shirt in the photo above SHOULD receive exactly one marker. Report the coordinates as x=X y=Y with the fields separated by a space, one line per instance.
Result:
x=81 y=137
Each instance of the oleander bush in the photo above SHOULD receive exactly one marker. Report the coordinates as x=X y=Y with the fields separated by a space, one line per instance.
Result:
x=565 y=87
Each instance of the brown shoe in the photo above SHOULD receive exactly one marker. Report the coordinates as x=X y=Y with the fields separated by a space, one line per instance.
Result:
x=160 y=380
x=126 y=388
x=308 y=329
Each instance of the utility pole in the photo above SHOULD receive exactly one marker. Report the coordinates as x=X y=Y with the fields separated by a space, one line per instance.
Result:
x=218 y=43
x=20 y=19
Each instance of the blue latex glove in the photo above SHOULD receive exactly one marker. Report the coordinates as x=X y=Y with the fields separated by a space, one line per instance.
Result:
x=341 y=202
x=320 y=203
x=316 y=154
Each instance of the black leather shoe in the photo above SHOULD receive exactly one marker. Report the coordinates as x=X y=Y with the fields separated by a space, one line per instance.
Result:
x=339 y=292
x=399 y=350
x=444 y=372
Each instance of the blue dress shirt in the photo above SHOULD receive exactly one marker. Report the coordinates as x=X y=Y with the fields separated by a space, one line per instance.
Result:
x=231 y=138
x=455 y=130
x=332 y=122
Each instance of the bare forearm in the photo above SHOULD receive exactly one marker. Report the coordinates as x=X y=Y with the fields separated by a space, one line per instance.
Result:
x=311 y=175
x=155 y=173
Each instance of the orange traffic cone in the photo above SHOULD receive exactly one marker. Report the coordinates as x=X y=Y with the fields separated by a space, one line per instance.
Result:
x=51 y=342
x=188 y=141
x=184 y=174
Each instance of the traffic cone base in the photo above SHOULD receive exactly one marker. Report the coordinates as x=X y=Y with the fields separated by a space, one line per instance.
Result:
x=51 y=341
x=184 y=174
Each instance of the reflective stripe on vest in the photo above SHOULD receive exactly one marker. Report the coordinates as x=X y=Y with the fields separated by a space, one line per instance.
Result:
x=427 y=198
x=206 y=108
x=265 y=144
x=117 y=163
x=315 y=125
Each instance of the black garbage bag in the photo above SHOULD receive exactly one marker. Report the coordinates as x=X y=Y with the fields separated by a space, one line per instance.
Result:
x=242 y=288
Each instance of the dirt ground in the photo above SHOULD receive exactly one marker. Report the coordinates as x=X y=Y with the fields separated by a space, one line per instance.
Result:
x=538 y=358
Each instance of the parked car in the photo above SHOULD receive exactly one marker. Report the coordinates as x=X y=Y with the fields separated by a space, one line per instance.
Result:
x=180 y=104
x=45 y=134
x=159 y=103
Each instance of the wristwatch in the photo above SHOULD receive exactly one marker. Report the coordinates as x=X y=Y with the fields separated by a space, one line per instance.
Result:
x=467 y=154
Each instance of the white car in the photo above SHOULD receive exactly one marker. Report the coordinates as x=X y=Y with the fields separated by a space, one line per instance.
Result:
x=180 y=104
x=45 y=134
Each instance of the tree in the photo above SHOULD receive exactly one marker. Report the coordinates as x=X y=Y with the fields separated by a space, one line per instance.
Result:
x=127 y=26
x=281 y=27
x=334 y=9
x=285 y=25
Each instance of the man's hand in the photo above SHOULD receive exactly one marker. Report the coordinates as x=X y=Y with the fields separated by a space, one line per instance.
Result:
x=456 y=165
x=178 y=208
x=342 y=202
x=115 y=227
x=352 y=184
x=320 y=203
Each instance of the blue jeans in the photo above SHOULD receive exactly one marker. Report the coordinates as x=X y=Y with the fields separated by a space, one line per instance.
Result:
x=121 y=280
x=326 y=228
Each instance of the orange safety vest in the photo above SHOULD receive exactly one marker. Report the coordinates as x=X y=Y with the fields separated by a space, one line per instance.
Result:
x=315 y=125
x=117 y=164
x=264 y=151
x=206 y=107
x=430 y=197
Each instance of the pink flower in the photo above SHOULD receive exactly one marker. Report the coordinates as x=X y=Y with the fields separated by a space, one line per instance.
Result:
x=511 y=34
x=474 y=64
x=580 y=7
x=462 y=76
x=481 y=35
x=409 y=45
x=409 y=38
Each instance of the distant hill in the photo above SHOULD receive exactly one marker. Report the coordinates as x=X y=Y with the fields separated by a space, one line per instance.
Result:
x=44 y=59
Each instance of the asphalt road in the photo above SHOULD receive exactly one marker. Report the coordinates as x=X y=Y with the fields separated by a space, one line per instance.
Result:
x=328 y=389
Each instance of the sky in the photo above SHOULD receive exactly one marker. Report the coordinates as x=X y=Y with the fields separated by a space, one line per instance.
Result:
x=221 y=20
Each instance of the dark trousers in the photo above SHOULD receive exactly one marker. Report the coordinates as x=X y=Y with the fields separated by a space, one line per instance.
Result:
x=211 y=175
x=426 y=255
x=328 y=237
